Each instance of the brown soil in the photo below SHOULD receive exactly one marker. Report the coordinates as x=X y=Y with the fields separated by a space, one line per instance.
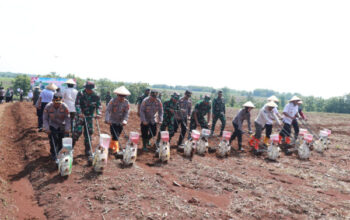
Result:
x=240 y=186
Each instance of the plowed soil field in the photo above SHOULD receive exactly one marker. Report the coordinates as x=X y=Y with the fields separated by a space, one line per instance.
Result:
x=241 y=186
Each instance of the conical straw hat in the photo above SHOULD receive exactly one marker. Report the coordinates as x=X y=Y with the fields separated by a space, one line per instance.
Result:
x=294 y=98
x=122 y=91
x=71 y=81
x=273 y=99
x=51 y=86
x=249 y=105
x=271 y=104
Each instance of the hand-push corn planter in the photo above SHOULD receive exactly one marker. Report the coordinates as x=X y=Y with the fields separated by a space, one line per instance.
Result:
x=273 y=150
x=164 y=147
x=130 y=151
x=191 y=145
x=203 y=142
x=65 y=157
x=100 y=156
x=224 y=145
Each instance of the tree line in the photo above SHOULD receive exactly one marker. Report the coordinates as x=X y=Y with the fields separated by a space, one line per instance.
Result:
x=233 y=98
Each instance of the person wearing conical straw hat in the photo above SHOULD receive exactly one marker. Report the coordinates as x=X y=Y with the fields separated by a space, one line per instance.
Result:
x=69 y=97
x=268 y=126
x=243 y=114
x=265 y=115
x=290 y=112
x=44 y=98
x=117 y=114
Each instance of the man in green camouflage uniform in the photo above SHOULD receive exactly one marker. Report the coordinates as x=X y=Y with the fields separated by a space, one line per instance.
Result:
x=197 y=118
x=218 y=113
x=86 y=103
x=170 y=107
x=140 y=99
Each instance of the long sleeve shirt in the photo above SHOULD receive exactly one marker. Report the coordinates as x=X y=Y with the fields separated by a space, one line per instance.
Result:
x=218 y=106
x=240 y=117
x=270 y=121
x=149 y=108
x=56 y=117
x=265 y=116
x=87 y=103
x=185 y=108
x=117 y=111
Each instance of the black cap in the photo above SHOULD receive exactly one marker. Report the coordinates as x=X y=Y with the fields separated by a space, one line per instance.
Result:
x=57 y=97
x=207 y=98
x=188 y=92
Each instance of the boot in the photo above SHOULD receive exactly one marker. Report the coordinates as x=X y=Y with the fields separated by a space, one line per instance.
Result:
x=240 y=147
x=220 y=135
x=287 y=140
x=145 y=141
x=256 y=145
x=280 y=139
x=266 y=141
x=114 y=146
x=251 y=141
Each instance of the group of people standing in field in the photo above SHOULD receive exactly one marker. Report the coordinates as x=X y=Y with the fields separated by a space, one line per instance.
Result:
x=73 y=112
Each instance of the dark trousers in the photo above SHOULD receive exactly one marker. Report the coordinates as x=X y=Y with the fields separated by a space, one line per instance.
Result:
x=286 y=130
x=237 y=133
x=296 y=128
x=72 y=116
x=116 y=130
x=183 y=124
x=55 y=138
x=223 y=122
x=1 y=98
x=40 y=113
x=268 y=130
x=148 y=131
x=8 y=99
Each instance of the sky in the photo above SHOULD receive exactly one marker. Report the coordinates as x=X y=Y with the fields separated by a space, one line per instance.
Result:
x=288 y=46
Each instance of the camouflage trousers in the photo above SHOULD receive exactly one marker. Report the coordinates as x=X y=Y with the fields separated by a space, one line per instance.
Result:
x=223 y=122
x=202 y=122
x=167 y=123
x=78 y=130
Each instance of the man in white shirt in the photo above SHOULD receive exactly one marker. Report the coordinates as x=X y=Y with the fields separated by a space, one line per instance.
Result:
x=265 y=115
x=45 y=97
x=69 y=96
x=290 y=112
x=268 y=126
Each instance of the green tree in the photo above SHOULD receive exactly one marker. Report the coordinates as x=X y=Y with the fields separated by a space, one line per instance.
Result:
x=22 y=82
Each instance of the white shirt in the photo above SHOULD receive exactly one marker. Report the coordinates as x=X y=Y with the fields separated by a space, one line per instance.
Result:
x=46 y=96
x=265 y=116
x=275 y=111
x=30 y=95
x=69 y=96
x=291 y=110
